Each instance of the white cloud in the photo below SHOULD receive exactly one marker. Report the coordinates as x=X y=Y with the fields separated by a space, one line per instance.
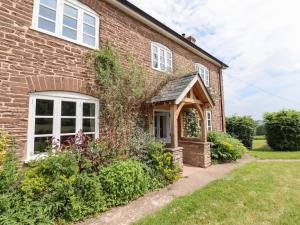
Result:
x=259 y=40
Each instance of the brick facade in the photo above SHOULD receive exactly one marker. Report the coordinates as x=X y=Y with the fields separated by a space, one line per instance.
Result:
x=32 y=61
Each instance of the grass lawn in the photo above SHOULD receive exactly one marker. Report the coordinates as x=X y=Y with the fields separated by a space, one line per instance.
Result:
x=263 y=151
x=257 y=193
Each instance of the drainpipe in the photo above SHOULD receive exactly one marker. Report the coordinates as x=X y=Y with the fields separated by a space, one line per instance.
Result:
x=222 y=99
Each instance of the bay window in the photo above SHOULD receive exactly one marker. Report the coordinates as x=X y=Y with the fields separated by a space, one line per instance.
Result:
x=59 y=116
x=67 y=19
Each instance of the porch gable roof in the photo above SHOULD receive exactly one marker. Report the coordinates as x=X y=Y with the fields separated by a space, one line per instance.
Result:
x=176 y=90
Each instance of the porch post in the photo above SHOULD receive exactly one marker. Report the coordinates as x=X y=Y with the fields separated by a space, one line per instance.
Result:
x=174 y=126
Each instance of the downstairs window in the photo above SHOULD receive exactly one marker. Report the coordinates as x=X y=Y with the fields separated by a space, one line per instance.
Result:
x=59 y=116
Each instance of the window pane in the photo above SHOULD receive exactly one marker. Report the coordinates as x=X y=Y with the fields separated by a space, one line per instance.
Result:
x=89 y=19
x=89 y=30
x=43 y=125
x=66 y=140
x=48 y=13
x=68 y=126
x=41 y=144
x=89 y=40
x=169 y=55
x=162 y=59
x=49 y=3
x=89 y=109
x=44 y=107
x=69 y=33
x=155 y=64
x=88 y=125
x=70 y=22
x=46 y=25
x=70 y=11
x=154 y=49
x=68 y=108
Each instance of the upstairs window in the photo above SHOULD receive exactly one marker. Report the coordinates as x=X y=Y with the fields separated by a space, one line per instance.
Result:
x=209 y=120
x=204 y=73
x=161 y=57
x=67 y=19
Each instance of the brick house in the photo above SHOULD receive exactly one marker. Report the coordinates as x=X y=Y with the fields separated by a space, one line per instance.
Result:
x=43 y=75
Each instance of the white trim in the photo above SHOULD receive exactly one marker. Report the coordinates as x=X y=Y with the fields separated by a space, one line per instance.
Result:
x=166 y=51
x=163 y=111
x=206 y=79
x=209 y=119
x=57 y=97
x=59 y=21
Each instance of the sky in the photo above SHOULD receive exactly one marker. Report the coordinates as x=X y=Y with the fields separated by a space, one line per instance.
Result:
x=258 y=39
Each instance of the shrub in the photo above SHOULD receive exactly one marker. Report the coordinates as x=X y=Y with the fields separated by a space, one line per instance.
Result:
x=55 y=190
x=242 y=128
x=161 y=164
x=4 y=145
x=224 y=147
x=123 y=181
x=283 y=130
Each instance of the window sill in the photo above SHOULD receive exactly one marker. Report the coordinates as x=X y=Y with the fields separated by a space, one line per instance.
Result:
x=163 y=71
x=63 y=38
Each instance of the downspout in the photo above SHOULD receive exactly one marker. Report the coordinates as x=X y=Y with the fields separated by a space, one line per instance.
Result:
x=222 y=99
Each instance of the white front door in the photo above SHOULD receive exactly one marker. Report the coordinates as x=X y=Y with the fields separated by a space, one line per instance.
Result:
x=162 y=126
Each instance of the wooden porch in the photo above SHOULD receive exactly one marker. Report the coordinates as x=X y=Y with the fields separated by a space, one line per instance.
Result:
x=177 y=96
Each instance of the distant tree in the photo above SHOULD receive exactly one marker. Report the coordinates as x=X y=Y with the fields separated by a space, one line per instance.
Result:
x=260 y=130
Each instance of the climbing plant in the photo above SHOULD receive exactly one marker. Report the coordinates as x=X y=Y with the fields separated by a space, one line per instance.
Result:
x=122 y=88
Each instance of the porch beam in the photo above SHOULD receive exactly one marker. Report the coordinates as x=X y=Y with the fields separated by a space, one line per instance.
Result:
x=191 y=100
x=179 y=109
x=174 y=126
x=202 y=122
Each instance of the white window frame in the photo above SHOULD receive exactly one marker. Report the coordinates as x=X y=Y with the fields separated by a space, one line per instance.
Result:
x=59 y=21
x=166 y=51
x=209 y=120
x=205 y=75
x=163 y=112
x=58 y=97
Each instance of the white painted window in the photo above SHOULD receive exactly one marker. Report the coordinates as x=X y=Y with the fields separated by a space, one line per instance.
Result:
x=67 y=19
x=59 y=116
x=204 y=73
x=209 y=120
x=161 y=57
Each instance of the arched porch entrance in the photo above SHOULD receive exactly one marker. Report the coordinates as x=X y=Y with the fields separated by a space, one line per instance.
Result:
x=166 y=119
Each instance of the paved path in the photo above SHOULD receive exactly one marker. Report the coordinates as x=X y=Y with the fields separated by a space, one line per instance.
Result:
x=193 y=179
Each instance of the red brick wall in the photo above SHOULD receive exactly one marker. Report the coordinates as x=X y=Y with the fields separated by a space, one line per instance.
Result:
x=32 y=61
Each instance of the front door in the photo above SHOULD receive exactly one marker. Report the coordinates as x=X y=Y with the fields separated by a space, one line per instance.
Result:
x=162 y=126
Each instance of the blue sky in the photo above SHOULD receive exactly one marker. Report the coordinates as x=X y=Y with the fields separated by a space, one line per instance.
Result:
x=259 y=40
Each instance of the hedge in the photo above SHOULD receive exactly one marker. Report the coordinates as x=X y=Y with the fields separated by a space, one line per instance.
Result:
x=283 y=130
x=242 y=128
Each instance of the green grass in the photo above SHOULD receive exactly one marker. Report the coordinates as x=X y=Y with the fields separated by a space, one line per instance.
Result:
x=257 y=193
x=259 y=137
x=261 y=150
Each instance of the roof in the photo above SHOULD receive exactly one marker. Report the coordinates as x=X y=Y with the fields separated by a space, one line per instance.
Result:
x=175 y=90
x=167 y=29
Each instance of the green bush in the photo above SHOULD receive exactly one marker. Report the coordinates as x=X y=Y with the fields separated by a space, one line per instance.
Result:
x=283 y=130
x=242 y=128
x=161 y=164
x=123 y=181
x=57 y=192
x=224 y=147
